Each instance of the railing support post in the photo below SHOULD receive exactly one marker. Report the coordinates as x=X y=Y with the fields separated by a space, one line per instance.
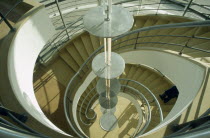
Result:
x=158 y=7
x=136 y=40
x=7 y=22
x=126 y=85
x=62 y=19
x=139 y=7
x=187 y=7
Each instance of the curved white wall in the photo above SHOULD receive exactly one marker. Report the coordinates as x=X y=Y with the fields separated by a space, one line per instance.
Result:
x=183 y=72
x=33 y=35
x=186 y=74
x=25 y=47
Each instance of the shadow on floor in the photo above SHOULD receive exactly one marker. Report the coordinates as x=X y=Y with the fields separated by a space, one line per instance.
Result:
x=50 y=93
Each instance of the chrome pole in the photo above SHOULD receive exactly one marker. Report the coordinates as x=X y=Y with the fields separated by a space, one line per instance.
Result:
x=7 y=22
x=187 y=7
x=62 y=19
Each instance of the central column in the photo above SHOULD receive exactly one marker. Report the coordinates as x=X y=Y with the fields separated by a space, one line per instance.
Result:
x=108 y=21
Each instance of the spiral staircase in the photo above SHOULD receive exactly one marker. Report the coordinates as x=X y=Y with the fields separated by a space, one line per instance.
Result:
x=63 y=78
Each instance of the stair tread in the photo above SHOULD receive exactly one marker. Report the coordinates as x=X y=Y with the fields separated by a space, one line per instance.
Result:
x=63 y=73
x=69 y=60
x=87 y=42
x=95 y=42
x=81 y=48
x=75 y=54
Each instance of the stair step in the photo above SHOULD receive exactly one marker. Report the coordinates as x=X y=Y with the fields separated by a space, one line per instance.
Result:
x=150 y=79
x=87 y=43
x=202 y=45
x=156 y=83
x=150 y=22
x=138 y=72
x=125 y=73
x=140 y=21
x=179 y=40
x=154 y=32
x=203 y=31
x=160 y=38
x=81 y=48
x=75 y=54
x=64 y=73
x=69 y=60
x=131 y=72
x=95 y=42
x=145 y=74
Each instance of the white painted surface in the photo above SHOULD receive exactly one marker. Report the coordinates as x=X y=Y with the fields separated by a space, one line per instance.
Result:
x=187 y=76
x=24 y=50
x=134 y=101
x=78 y=94
x=69 y=10
x=183 y=72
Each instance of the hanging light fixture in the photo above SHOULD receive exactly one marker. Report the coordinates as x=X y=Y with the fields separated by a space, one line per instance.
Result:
x=108 y=21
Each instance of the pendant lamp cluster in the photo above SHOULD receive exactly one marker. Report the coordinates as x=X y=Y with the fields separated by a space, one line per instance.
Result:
x=108 y=21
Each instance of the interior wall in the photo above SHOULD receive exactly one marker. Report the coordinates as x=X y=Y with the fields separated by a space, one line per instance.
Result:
x=185 y=73
x=30 y=38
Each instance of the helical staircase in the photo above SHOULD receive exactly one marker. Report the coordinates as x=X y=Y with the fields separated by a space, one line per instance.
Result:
x=64 y=84
x=68 y=64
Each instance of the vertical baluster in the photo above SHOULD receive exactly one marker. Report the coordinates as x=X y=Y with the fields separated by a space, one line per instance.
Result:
x=158 y=7
x=137 y=37
x=187 y=7
x=7 y=22
x=62 y=19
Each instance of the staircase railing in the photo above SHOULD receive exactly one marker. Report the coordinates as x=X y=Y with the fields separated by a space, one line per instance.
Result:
x=137 y=38
x=85 y=68
x=145 y=102
x=200 y=126
x=15 y=123
x=4 y=17
x=60 y=39
x=134 y=6
x=88 y=107
x=150 y=93
x=147 y=115
x=148 y=119
x=140 y=7
x=191 y=6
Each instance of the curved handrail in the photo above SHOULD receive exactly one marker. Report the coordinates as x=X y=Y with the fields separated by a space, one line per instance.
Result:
x=139 y=93
x=122 y=2
x=167 y=26
x=138 y=5
x=91 y=102
x=133 y=89
x=149 y=110
x=148 y=90
x=20 y=126
x=13 y=7
x=59 y=34
x=178 y=25
x=4 y=17
x=86 y=110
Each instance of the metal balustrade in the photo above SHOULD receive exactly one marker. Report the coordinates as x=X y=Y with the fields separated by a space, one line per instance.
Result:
x=56 y=42
x=141 y=97
x=4 y=16
x=15 y=124
x=147 y=115
x=75 y=26
x=96 y=96
x=76 y=80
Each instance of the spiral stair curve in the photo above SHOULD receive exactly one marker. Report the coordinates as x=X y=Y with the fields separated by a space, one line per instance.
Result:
x=51 y=79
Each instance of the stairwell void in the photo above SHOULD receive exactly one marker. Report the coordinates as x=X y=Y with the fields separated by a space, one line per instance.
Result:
x=40 y=90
